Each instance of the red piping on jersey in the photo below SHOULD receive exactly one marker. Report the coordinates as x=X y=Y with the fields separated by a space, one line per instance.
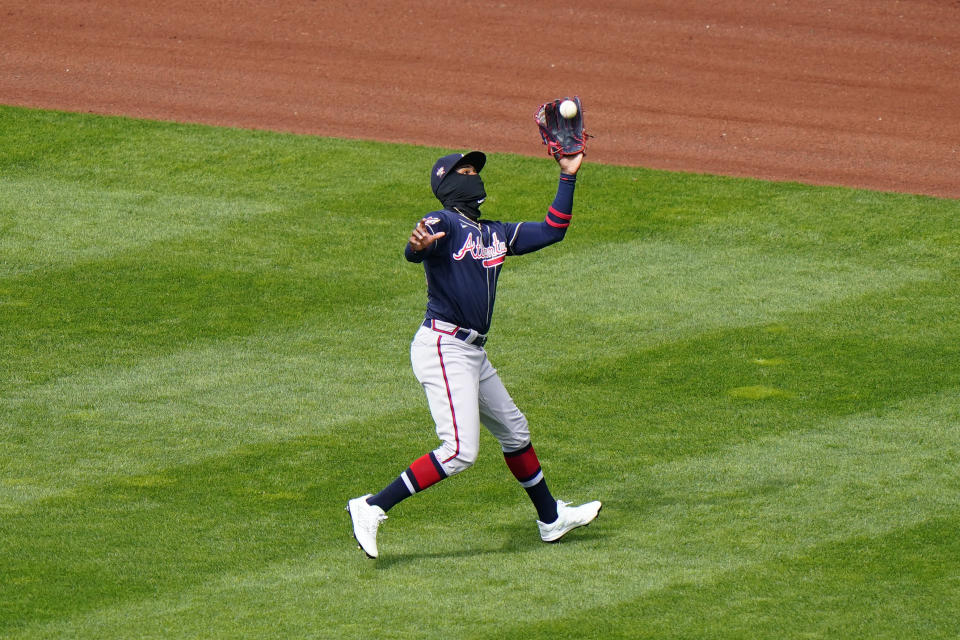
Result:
x=453 y=414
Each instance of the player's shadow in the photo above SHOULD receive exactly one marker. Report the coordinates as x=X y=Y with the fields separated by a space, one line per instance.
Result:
x=513 y=539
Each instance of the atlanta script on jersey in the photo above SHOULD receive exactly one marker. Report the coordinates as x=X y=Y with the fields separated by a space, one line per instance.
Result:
x=463 y=266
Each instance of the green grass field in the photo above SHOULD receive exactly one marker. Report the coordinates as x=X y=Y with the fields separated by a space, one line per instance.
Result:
x=204 y=343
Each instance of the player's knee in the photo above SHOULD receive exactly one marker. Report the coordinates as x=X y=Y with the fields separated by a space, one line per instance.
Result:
x=516 y=439
x=457 y=461
x=458 y=464
x=513 y=434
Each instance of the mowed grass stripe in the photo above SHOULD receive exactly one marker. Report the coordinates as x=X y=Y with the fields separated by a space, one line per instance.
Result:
x=853 y=484
x=691 y=396
x=654 y=291
x=52 y=223
x=201 y=402
x=877 y=586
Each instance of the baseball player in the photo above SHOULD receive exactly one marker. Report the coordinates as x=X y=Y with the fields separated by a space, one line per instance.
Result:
x=462 y=255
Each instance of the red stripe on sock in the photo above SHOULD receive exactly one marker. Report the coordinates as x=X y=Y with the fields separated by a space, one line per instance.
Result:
x=524 y=466
x=425 y=472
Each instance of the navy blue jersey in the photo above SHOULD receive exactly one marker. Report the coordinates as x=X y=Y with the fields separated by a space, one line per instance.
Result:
x=462 y=267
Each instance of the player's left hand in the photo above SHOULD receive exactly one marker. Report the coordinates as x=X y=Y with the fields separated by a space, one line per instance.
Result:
x=563 y=135
x=421 y=238
x=570 y=164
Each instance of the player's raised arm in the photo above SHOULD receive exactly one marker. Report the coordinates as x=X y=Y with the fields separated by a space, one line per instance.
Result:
x=531 y=236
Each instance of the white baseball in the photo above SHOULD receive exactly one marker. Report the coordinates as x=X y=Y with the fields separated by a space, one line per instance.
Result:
x=568 y=109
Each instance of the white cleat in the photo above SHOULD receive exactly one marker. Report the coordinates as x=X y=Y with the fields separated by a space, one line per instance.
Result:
x=366 y=519
x=568 y=519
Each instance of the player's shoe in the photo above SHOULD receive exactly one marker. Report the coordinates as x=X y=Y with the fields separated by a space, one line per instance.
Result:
x=568 y=518
x=366 y=519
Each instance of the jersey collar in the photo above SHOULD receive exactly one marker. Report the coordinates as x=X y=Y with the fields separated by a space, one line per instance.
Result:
x=467 y=219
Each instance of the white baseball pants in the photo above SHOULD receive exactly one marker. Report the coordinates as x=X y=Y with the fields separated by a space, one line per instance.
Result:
x=463 y=391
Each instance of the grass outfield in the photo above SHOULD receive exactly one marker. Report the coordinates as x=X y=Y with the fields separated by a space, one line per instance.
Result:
x=204 y=336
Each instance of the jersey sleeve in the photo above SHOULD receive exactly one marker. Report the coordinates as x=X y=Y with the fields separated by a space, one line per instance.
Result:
x=435 y=222
x=526 y=237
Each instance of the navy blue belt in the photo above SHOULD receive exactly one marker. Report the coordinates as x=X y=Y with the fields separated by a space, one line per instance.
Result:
x=448 y=328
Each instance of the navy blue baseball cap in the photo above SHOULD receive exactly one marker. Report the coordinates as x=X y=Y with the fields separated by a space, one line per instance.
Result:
x=446 y=164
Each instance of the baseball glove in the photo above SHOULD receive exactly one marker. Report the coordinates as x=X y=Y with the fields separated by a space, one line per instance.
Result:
x=563 y=136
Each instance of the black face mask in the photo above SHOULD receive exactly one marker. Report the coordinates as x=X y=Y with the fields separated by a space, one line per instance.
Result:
x=462 y=192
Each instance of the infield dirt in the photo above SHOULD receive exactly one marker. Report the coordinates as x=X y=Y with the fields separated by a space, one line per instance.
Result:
x=864 y=93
